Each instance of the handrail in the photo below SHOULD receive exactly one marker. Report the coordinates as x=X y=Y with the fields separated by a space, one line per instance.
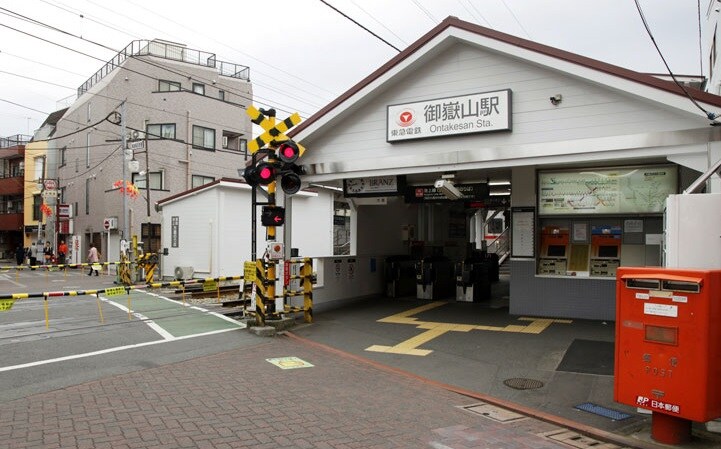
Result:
x=500 y=245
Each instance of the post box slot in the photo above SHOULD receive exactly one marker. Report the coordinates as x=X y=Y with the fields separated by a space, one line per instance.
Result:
x=661 y=334
x=649 y=284
x=681 y=286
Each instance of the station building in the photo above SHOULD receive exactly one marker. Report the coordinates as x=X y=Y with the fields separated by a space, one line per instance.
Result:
x=468 y=127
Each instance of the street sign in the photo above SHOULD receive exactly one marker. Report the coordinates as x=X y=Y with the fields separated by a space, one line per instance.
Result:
x=50 y=184
x=136 y=145
x=50 y=194
x=272 y=216
x=110 y=223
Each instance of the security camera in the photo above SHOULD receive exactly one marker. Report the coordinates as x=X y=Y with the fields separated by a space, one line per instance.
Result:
x=447 y=188
x=556 y=99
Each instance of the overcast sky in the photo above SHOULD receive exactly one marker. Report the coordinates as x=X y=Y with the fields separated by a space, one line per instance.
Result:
x=301 y=53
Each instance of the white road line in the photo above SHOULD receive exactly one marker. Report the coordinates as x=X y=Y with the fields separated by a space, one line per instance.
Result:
x=105 y=351
x=219 y=315
x=151 y=324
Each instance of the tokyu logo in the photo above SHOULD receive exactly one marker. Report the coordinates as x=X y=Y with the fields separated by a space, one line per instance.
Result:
x=406 y=118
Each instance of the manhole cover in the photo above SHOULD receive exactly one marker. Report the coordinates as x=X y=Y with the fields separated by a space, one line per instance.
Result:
x=520 y=383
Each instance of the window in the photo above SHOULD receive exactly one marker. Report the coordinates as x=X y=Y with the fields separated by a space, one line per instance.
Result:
x=232 y=141
x=87 y=196
x=163 y=130
x=221 y=95
x=37 y=202
x=39 y=168
x=87 y=151
x=62 y=156
x=203 y=137
x=199 y=180
x=156 y=180
x=199 y=88
x=150 y=233
x=168 y=86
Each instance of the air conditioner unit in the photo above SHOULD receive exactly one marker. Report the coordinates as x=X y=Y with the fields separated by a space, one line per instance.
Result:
x=184 y=273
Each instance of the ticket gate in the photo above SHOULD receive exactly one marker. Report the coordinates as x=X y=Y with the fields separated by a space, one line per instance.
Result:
x=400 y=276
x=473 y=280
x=434 y=278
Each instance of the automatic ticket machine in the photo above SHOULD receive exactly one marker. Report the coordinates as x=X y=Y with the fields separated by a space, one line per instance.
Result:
x=605 y=250
x=668 y=347
x=554 y=250
x=474 y=276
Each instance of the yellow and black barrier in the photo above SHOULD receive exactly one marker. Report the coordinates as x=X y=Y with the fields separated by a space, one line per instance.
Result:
x=62 y=266
x=8 y=299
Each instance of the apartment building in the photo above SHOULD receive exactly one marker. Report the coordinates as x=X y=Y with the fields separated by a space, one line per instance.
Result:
x=12 y=169
x=180 y=115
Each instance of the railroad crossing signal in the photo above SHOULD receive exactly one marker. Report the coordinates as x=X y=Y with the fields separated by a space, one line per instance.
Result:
x=272 y=216
x=274 y=135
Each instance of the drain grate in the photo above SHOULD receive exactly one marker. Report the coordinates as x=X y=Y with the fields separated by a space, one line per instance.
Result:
x=520 y=383
x=603 y=411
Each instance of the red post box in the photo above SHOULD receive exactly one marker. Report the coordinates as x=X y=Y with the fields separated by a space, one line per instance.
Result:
x=668 y=347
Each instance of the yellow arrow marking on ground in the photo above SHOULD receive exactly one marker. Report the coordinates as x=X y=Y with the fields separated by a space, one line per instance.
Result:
x=436 y=329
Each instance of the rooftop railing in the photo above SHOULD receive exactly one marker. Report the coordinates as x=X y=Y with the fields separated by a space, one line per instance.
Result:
x=13 y=141
x=171 y=51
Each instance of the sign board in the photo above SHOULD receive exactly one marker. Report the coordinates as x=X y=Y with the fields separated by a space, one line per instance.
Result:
x=374 y=186
x=249 y=272
x=606 y=191
x=136 y=145
x=50 y=184
x=464 y=114
x=429 y=194
x=174 y=231
x=50 y=194
x=110 y=223
x=210 y=286
x=65 y=210
x=523 y=222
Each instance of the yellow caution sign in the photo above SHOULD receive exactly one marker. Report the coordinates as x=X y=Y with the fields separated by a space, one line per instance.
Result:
x=6 y=304
x=115 y=291
x=210 y=286
x=249 y=271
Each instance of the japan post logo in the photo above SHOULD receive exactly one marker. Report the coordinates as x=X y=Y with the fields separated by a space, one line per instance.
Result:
x=406 y=118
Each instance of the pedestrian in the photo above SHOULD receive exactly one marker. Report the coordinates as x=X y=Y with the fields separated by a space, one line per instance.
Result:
x=19 y=255
x=62 y=252
x=93 y=258
x=33 y=255
x=48 y=253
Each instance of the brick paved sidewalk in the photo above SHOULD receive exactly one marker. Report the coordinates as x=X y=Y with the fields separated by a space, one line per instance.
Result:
x=238 y=399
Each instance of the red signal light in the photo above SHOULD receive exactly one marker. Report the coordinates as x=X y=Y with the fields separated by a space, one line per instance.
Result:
x=264 y=173
x=288 y=152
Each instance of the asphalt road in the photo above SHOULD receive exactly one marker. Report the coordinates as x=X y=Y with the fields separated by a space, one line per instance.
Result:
x=86 y=337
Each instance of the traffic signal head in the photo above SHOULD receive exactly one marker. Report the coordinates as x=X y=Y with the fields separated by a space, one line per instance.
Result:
x=272 y=216
x=263 y=173
x=288 y=152
x=290 y=183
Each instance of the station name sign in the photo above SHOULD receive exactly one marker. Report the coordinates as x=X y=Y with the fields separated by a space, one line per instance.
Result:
x=465 y=114
x=374 y=186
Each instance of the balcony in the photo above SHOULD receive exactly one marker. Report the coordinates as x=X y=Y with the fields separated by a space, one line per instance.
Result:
x=11 y=222
x=167 y=50
x=12 y=186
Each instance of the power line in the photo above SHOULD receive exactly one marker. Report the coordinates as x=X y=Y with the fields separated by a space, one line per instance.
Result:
x=425 y=11
x=709 y=115
x=361 y=26
x=516 y=18
x=177 y=72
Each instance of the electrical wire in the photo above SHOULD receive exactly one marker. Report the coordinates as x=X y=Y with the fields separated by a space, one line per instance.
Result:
x=425 y=11
x=361 y=26
x=700 y=49
x=709 y=115
x=123 y=67
x=516 y=18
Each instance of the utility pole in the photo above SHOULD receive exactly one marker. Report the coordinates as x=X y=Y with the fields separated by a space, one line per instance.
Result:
x=124 y=139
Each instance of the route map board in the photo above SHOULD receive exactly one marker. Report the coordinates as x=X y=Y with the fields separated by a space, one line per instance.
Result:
x=606 y=191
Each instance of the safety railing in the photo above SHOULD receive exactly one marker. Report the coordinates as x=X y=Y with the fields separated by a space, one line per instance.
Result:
x=501 y=245
x=166 y=50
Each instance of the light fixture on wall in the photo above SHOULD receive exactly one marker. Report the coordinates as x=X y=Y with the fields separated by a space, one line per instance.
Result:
x=556 y=99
